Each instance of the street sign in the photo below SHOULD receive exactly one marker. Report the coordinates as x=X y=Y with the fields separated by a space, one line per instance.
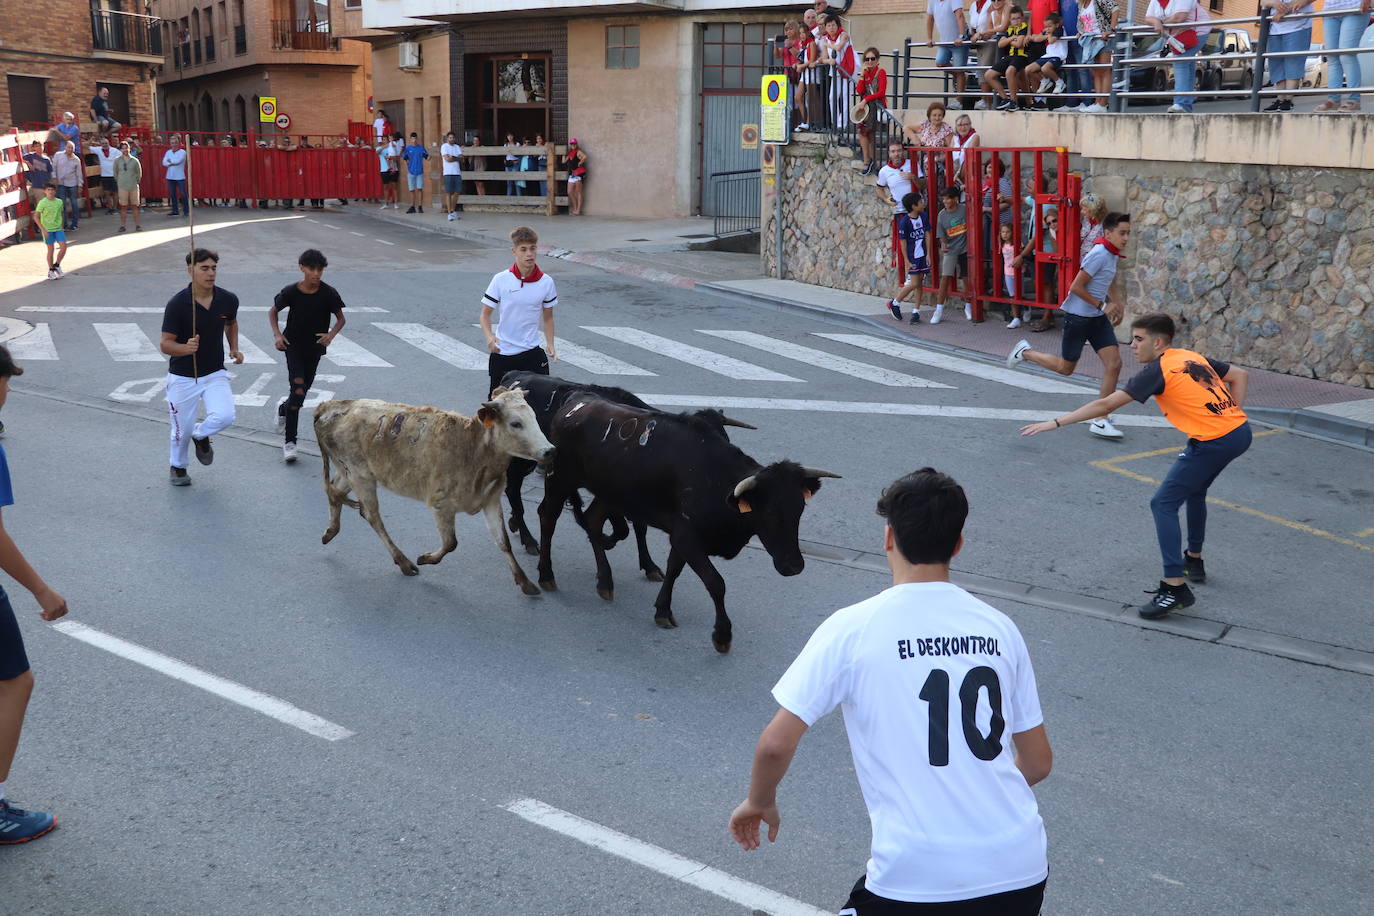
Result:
x=283 y=120
x=267 y=109
x=770 y=159
x=775 y=105
x=748 y=136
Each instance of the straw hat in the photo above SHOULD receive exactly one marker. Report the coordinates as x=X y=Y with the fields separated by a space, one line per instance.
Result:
x=859 y=113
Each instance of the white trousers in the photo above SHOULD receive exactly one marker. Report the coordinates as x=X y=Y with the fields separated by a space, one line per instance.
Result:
x=183 y=396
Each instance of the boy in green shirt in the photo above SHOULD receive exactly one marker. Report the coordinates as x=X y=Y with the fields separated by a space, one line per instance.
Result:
x=50 y=214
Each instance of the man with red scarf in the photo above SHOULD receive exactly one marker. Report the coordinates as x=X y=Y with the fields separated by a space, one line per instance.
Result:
x=522 y=297
x=1091 y=312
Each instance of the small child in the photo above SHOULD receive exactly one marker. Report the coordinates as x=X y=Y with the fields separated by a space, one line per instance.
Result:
x=951 y=231
x=1044 y=73
x=50 y=216
x=912 y=229
x=1009 y=271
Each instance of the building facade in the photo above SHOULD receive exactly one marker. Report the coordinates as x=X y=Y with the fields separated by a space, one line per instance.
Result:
x=55 y=57
x=224 y=56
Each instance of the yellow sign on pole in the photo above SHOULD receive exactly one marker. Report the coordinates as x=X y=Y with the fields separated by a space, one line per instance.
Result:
x=775 y=106
x=770 y=159
x=267 y=109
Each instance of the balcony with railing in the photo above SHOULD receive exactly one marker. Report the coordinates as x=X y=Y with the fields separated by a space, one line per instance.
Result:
x=302 y=35
x=126 y=36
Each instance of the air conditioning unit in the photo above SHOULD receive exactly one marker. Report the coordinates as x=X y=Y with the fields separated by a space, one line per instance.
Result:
x=408 y=55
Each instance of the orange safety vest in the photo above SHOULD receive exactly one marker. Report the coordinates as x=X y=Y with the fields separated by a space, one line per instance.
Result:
x=1194 y=398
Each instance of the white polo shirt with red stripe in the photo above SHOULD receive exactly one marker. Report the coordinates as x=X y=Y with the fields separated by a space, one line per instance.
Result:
x=519 y=303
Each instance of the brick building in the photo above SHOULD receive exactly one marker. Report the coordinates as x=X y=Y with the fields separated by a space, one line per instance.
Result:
x=223 y=56
x=55 y=56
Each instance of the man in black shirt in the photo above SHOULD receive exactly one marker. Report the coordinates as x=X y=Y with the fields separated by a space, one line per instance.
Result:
x=308 y=335
x=195 y=325
x=100 y=112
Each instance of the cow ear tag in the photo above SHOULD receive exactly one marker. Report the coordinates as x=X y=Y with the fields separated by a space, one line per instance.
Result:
x=744 y=506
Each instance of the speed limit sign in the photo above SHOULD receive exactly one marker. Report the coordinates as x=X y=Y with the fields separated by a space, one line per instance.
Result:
x=283 y=120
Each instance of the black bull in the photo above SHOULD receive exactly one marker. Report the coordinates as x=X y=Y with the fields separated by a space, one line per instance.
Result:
x=678 y=473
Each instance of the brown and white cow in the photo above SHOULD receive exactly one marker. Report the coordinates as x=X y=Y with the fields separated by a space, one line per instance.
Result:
x=447 y=461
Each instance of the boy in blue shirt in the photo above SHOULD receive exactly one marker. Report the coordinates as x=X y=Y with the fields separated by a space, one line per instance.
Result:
x=16 y=680
x=912 y=229
x=415 y=155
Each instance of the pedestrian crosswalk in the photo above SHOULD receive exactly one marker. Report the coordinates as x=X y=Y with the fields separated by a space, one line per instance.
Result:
x=387 y=344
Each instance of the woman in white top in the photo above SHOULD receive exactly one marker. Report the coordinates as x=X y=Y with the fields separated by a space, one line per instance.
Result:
x=1288 y=35
x=964 y=137
x=985 y=20
x=1181 y=42
x=837 y=53
x=1345 y=25
x=1096 y=26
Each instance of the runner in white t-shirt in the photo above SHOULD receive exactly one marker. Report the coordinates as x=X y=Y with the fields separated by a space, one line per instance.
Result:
x=520 y=298
x=937 y=689
x=449 y=155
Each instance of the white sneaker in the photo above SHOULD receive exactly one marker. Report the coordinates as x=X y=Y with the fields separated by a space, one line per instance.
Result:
x=60 y=273
x=982 y=105
x=956 y=105
x=1018 y=353
x=1044 y=87
x=452 y=216
x=1059 y=87
x=939 y=314
x=968 y=312
x=1014 y=324
x=52 y=274
x=1095 y=109
x=1102 y=428
x=1176 y=109
x=288 y=452
x=383 y=207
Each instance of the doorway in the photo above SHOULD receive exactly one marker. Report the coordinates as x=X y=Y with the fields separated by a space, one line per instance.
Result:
x=512 y=95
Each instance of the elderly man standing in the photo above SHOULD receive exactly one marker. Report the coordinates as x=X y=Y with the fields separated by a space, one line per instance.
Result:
x=68 y=170
x=66 y=129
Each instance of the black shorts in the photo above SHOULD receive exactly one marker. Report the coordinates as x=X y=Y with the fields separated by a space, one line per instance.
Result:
x=1079 y=330
x=1023 y=902
x=391 y=177
x=13 y=660
x=109 y=184
x=532 y=360
x=1054 y=63
x=1006 y=63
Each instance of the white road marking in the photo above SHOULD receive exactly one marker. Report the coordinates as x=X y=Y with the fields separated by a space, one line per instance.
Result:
x=329 y=225
x=595 y=361
x=255 y=700
x=131 y=393
x=252 y=353
x=128 y=344
x=1027 y=380
x=703 y=359
x=655 y=858
x=385 y=242
x=361 y=235
x=441 y=346
x=344 y=352
x=823 y=360
x=414 y=251
x=36 y=344
x=154 y=309
x=253 y=397
x=1159 y=877
x=872 y=407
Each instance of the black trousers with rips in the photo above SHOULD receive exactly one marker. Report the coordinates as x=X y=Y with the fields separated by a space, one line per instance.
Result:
x=300 y=370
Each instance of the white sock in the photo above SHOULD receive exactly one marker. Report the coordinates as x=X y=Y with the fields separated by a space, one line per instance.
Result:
x=2 y=791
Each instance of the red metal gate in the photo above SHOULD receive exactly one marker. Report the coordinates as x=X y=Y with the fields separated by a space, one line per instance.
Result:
x=255 y=169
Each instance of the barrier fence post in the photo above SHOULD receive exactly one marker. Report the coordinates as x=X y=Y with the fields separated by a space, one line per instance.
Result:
x=551 y=160
x=906 y=74
x=1119 y=79
x=1261 y=48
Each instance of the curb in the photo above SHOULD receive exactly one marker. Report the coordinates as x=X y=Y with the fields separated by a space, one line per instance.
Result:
x=10 y=328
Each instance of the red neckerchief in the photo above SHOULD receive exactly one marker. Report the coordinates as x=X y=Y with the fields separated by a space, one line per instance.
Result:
x=535 y=275
x=1109 y=246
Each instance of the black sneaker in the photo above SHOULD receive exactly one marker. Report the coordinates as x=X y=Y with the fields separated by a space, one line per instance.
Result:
x=1193 y=569
x=205 y=454
x=1286 y=105
x=915 y=316
x=1166 y=600
x=411 y=210
x=1277 y=105
x=419 y=209
x=179 y=478
x=895 y=309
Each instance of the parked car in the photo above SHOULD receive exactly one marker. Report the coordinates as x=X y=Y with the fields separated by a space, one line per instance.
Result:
x=1314 y=74
x=1236 y=71
x=1150 y=77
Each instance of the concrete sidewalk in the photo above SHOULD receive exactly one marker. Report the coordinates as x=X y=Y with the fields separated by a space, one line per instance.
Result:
x=657 y=250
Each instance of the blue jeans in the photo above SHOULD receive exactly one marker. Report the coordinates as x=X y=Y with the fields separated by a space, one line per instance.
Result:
x=1187 y=482
x=176 y=190
x=1343 y=30
x=1077 y=80
x=510 y=185
x=1289 y=68
x=1185 y=76
x=71 y=201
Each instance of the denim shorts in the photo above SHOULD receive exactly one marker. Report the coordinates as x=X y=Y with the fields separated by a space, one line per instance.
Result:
x=1289 y=68
x=1079 y=330
x=945 y=55
x=13 y=660
x=415 y=182
x=453 y=184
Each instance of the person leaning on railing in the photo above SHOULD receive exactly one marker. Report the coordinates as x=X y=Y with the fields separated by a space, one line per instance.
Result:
x=1096 y=25
x=1180 y=42
x=808 y=67
x=872 y=90
x=1344 y=27
x=1287 y=34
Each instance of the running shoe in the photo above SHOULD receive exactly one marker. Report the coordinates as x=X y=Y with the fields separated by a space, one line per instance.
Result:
x=1176 y=109
x=411 y=210
x=1018 y=353
x=122 y=229
x=1013 y=324
x=939 y=314
x=288 y=452
x=179 y=478
x=205 y=453
x=968 y=312
x=895 y=309
x=1193 y=569
x=915 y=316
x=279 y=423
x=956 y=105
x=1102 y=428
x=981 y=105
x=452 y=216
x=1167 y=599
x=60 y=272
x=1095 y=108
x=1044 y=86
x=1059 y=87
x=20 y=826
x=52 y=274
x=420 y=209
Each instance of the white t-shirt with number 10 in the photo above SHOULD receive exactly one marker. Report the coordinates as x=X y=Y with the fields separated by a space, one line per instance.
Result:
x=933 y=683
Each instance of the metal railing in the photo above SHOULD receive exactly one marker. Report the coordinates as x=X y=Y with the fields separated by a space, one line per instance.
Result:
x=130 y=33
x=736 y=198
x=1131 y=62
x=301 y=35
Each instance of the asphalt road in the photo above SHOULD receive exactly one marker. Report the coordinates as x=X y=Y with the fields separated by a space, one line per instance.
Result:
x=1190 y=777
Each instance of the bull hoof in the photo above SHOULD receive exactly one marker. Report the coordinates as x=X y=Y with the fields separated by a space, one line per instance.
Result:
x=529 y=588
x=514 y=525
x=427 y=559
x=531 y=548
x=408 y=568
x=548 y=585
x=654 y=574
x=329 y=536
x=722 y=647
x=607 y=594
x=667 y=621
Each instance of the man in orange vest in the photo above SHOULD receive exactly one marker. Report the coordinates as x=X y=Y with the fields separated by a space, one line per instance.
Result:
x=1202 y=397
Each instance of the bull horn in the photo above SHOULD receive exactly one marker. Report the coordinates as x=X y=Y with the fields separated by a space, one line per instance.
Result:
x=744 y=486
x=731 y=421
x=817 y=472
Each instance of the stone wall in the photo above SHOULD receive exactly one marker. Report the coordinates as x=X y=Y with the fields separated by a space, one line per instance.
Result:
x=1267 y=265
